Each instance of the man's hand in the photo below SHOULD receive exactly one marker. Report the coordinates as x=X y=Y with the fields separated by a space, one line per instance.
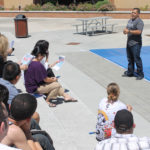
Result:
x=26 y=129
x=129 y=107
x=125 y=31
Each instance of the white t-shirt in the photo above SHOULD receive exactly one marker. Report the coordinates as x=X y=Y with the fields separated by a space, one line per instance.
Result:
x=106 y=115
x=5 y=147
x=111 y=108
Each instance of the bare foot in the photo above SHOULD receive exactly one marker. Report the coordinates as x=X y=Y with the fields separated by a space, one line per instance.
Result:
x=51 y=104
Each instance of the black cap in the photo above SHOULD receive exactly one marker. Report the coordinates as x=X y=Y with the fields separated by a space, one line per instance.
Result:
x=123 y=120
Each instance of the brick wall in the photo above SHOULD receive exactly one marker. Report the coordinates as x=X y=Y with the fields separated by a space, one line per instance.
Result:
x=119 y=15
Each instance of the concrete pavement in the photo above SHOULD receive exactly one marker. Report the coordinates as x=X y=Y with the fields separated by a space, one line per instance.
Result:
x=86 y=75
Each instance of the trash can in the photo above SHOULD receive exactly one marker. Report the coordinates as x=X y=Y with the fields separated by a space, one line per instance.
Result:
x=21 y=27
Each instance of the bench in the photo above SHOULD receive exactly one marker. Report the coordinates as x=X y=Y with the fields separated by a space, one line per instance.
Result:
x=77 y=25
x=85 y=26
x=105 y=27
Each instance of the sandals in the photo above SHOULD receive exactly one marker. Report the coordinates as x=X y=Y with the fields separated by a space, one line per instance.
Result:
x=51 y=104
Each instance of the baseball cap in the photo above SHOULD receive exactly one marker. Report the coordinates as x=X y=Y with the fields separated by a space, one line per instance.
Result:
x=123 y=120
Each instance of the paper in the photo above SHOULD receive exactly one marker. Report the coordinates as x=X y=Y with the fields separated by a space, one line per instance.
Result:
x=12 y=44
x=58 y=65
x=27 y=59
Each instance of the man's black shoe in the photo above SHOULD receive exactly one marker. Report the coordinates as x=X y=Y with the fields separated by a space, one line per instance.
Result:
x=139 y=77
x=126 y=74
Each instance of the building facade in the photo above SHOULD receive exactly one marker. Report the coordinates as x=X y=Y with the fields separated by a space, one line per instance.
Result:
x=129 y=4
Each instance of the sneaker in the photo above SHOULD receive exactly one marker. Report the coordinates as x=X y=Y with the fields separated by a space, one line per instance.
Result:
x=139 y=77
x=127 y=74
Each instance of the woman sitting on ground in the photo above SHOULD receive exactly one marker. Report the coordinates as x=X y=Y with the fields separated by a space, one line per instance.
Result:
x=107 y=110
x=4 y=52
x=36 y=79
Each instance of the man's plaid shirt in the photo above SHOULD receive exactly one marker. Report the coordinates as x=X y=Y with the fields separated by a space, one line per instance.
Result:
x=124 y=142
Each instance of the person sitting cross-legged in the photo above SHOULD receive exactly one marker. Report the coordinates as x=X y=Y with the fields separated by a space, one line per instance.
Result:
x=124 y=139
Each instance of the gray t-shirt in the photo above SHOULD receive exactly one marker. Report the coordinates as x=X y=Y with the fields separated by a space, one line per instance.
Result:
x=136 y=24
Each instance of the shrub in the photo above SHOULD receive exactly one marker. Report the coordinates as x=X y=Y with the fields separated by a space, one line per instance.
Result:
x=100 y=3
x=107 y=7
x=72 y=7
x=61 y=7
x=85 y=7
x=32 y=7
x=145 y=8
x=1 y=8
x=48 y=7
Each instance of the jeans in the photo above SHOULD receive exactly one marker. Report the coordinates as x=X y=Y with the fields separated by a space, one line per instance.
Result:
x=44 y=141
x=133 y=56
x=34 y=125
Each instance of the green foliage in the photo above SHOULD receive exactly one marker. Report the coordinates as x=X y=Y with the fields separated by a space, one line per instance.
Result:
x=85 y=7
x=61 y=7
x=145 y=8
x=100 y=3
x=1 y=8
x=48 y=7
x=107 y=7
x=72 y=7
x=32 y=7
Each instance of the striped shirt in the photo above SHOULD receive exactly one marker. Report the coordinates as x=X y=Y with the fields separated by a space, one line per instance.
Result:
x=124 y=142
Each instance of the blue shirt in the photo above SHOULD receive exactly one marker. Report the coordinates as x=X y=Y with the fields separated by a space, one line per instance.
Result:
x=11 y=88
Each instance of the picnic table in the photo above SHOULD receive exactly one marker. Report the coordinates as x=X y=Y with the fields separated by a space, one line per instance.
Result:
x=93 y=24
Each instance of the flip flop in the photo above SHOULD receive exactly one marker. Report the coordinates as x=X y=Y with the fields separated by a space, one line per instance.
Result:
x=51 y=105
x=70 y=100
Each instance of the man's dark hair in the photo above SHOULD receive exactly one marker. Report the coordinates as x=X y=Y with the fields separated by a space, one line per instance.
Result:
x=4 y=95
x=3 y=115
x=123 y=121
x=11 y=71
x=138 y=10
x=23 y=106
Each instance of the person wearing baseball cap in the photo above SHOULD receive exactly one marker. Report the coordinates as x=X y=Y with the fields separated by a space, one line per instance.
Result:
x=124 y=137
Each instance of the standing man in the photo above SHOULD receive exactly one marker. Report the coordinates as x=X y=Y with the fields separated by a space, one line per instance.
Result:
x=134 y=43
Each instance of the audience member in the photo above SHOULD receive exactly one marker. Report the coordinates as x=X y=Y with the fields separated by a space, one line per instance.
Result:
x=108 y=108
x=124 y=139
x=11 y=75
x=4 y=126
x=4 y=94
x=22 y=108
x=4 y=52
x=37 y=81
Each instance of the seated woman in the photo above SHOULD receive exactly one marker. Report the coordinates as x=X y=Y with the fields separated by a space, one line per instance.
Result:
x=36 y=79
x=4 y=52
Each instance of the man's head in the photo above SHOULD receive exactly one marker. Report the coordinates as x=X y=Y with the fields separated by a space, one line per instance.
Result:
x=135 y=13
x=3 y=121
x=23 y=106
x=124 y=122
x=4 y=94
x=12 y=72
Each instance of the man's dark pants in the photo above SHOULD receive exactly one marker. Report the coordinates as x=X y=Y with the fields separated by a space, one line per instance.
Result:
x=133 y=56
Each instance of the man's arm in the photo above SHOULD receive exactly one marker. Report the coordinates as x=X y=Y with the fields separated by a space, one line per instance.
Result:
x=16 y=136
x=135 y=32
